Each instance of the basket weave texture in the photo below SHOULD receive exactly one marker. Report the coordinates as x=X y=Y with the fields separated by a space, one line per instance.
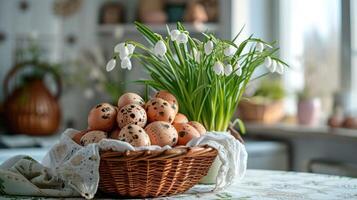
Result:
x=154 y=173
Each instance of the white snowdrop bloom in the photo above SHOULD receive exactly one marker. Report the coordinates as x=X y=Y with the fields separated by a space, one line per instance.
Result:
x=239 y=69
x=160 y=48
x=110 y=65
x=228 y=70
x=208 y=47
x=131 y=48
x=174 y=34
x=126 y=63
x=118 y=47
x=218 y=68
x=229 y=51
x=196 y=55
x=279 y=68
x=272 y=67
x=259 y=46
x=267 y=62
x=88 y=93
x=182 y=38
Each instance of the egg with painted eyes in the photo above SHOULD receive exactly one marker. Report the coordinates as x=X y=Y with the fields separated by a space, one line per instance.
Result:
x=93 y=137
x=134 y=135
x=130 y=98
x=185 y=133
x=161 y=133
x=102 y=117
x=165 y=95
x=131 y=114
x=159 y=110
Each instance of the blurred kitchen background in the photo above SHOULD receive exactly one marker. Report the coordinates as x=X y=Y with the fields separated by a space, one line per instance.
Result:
x=52 y=70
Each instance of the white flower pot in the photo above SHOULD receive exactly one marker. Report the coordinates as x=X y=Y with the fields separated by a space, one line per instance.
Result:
x=211 y=176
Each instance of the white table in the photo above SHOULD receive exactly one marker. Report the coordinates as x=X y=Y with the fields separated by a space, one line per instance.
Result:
x=268 y=185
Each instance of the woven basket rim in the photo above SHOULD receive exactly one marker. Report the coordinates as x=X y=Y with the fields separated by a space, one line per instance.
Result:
x=174 y=153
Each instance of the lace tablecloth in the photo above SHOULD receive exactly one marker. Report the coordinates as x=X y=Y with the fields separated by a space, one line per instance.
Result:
x=267 y=185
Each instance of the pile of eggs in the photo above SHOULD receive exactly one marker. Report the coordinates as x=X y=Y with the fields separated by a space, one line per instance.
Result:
x=156 y=122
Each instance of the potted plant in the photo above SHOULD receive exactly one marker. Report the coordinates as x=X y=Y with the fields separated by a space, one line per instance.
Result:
x=309 y=108
x=207 y=77
x=265 y=105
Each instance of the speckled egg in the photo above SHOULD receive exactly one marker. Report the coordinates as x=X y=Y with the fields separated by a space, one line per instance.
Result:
x=134 y=135
x=131 y=114
x=159 y=110
x=93 y=137
x=180 y=118
x=77 y=136
x=198 y=126
x=185 y=133
x=102 y=117
x=161 y=133
x=165 y=95
x=130 y=98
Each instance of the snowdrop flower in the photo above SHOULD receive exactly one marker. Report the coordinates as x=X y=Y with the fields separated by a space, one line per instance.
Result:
x=208 y=47
x=196 y=55
x=126 y=63
x=218 y=68
x=131 y=48
x=229 y=51
x=267 y=62
x=122 y=49
x=279 y=68
x=272 y=67
x=239 y=69
x=259 y=46
x=111 y=64
x=228 y=70
x=182 y=38
x=160 y=48
x=174 y=34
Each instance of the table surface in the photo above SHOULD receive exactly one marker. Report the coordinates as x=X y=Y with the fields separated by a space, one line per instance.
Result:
x=268 y=185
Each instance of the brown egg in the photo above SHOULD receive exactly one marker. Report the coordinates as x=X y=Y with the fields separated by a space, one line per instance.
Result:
x=130 y=98
x=77 y=136
x=161 y=133
x=350 y=122
x=102 y=117
x=180 y=118
x=165 y=95
x=93 y=137
x=185 y=133
x=198 y=126
x=134 y=135
x=114 y=134
x=335 y=121
x=131 y=114
x=159 y=110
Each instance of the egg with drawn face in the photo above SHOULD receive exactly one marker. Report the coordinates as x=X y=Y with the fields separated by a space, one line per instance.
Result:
x=93 y=137
x=198 y=126
x=102 y=117
x=185 y=133
x=161 y=133
x=131 y=114
x=134 y=135
x=130 y=98
x=165 y=95
x=159 y=110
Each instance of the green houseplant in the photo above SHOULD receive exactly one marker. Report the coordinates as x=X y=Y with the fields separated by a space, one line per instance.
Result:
x=207 y=77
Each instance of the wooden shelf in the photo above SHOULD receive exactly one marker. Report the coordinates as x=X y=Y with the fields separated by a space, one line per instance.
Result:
x=119 y=30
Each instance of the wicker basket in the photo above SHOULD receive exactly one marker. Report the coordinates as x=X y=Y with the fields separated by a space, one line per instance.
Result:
x=153 y=173
x=268 y=113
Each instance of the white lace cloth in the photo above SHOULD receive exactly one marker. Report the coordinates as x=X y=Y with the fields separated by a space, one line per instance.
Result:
x=76 y=167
